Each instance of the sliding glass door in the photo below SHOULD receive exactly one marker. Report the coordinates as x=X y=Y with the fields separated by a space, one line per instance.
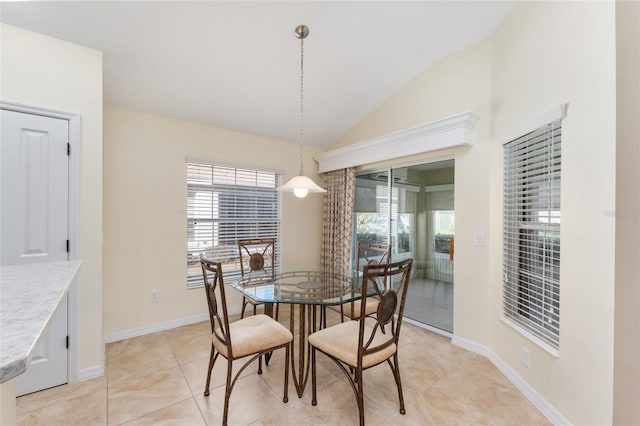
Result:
x=412 y=208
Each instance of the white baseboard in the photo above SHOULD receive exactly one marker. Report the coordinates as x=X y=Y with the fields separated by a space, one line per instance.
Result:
x=154 y=328
x=536 y=399
x=90 y=373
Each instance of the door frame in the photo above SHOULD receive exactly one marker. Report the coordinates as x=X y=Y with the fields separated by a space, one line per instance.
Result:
x=73 y=119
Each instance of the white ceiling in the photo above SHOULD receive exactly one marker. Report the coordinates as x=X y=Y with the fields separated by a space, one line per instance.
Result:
x=236 y=64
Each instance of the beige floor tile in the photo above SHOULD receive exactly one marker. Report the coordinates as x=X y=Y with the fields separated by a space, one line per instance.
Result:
x=146 y=384
x=494 y=395
x=524 y=413
x=130 y=399
x=184 y=413
x=195 y=373
x=481 y=365
x=301 y=412
x=58 y=394
x=292 y=413
x=337 y=406
x=139 y=356
x=411 y=334
x=190 y=347
x=419 y=369
x=194 y=329
x=87 y=410
x=251 y=400
x=136 y=344
x=273 y=375
x=431 y=407
x=380 y=386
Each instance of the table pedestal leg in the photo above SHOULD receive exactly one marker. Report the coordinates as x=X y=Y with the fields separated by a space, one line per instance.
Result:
x=268 y=310
x=306 y=326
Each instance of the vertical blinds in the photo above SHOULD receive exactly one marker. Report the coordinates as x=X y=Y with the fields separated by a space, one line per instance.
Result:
x=225 y=204
x=531 y=250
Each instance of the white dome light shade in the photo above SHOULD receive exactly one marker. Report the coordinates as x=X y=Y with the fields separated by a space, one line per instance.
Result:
x=301 y=186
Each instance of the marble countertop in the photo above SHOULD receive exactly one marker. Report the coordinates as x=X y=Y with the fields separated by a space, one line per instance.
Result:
x=29 y=297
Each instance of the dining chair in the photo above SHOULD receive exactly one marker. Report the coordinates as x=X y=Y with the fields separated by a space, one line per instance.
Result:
x=257 y=256
x=370 y=341
x=368 y=254
x=253 y=336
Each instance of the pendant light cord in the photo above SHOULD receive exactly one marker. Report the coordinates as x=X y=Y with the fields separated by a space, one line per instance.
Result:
x=301 y=103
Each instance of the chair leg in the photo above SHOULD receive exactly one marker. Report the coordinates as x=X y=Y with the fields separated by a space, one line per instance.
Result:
x=255 y=311
x=212 y=360
x=323 y=318
x=227 y=392
x=396 y=376
x=314 y=401
x=285 y=399
x=360 y=395
x=244 y=305
x=260 y=364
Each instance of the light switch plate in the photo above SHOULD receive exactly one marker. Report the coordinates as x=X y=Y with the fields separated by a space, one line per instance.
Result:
x=478 y=239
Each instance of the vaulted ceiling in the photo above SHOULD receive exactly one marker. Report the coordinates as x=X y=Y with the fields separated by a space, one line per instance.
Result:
x=236 y=64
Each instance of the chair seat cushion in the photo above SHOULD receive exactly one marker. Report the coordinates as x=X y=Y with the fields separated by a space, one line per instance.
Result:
x=370 y=308
x=257 y=333
x=250 y=300
x=341 y=342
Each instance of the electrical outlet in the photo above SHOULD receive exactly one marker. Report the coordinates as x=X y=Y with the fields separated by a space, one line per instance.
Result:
x=155 y=296
x=526 y=357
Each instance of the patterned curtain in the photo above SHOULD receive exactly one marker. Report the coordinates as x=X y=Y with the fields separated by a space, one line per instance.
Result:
x=337 y=218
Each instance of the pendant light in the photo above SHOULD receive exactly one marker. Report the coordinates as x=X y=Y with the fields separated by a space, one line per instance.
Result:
x=301 y=185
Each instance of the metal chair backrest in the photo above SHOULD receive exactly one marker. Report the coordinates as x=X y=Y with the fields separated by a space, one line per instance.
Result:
x=257 y=254
x=390 y=283
x=214 y=282
x=372 y=253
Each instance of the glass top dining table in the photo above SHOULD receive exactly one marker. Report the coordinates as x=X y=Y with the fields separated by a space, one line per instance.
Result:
x=318 y=287
x=306 y=290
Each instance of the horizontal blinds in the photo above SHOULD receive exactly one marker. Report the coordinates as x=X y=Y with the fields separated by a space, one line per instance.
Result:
x=531 y=251
x=225 y=204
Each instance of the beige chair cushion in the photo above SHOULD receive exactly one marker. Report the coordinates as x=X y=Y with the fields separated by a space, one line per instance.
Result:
x=254 y=334
x=341 y=341
x=250 y=300
x=370 y=308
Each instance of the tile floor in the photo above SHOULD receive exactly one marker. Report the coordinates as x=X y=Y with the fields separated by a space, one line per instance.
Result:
x=158 y=379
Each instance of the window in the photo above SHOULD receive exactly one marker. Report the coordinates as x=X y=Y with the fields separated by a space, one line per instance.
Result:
x=224 y=204
x=531 y=250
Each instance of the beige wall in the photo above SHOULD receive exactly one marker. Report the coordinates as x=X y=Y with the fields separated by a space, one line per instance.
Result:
x=45 y=72
x=626 y=392
x=145 y=212
x=535 y=61
x=460 y=83
x=539 y=62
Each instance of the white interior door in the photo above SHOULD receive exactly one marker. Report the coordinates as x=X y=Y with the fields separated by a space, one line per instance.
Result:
x=34 y=219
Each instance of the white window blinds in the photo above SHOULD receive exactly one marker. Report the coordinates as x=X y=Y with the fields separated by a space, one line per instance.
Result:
x=224 y=204
x=531 y=246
